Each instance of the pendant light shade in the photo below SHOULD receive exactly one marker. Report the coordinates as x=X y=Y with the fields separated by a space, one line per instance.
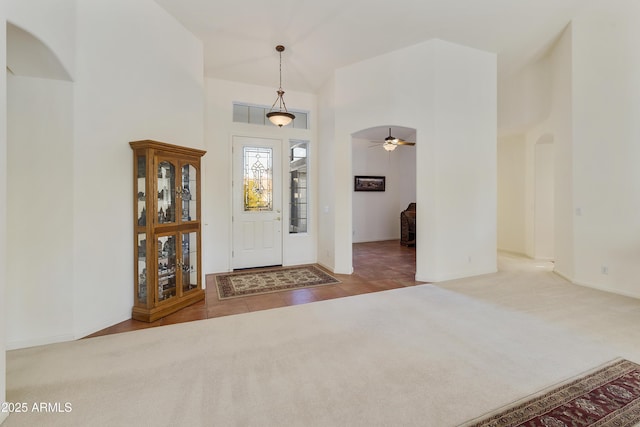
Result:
x=280 y=117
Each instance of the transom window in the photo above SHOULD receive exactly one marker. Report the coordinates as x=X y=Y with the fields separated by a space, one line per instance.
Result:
x=257 y=115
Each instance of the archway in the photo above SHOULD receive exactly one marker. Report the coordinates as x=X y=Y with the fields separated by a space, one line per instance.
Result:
x=376 y=214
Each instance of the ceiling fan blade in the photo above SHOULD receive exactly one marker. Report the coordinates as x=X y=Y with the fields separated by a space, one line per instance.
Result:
x=402 y=142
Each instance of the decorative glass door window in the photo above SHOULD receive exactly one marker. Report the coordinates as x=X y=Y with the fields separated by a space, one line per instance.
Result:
x=258 y=179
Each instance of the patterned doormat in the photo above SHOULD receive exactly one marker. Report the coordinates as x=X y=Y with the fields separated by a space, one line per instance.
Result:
x=606 y=397
x=242 y=284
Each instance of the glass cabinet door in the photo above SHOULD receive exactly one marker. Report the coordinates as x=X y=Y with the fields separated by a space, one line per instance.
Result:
x=140 y=190
x=141 y=288
x=189 y=193
x=140 y=203
x=189 y=261
x=166 y=267
x=166 y=192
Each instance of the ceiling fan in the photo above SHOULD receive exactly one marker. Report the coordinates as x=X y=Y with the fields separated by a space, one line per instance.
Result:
x=391 y=142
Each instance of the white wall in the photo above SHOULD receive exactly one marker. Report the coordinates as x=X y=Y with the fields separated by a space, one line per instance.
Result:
x=466 y=161
x=143 y=80
x=3 y=204
x=327 y=167
x=511 y=194
x=139 y=75
x=606 y=83
x=560 y=128
x=397 y=100
x=544 y=194
x=40 y=210
x=595 y=102
x=545 y=117
x=447 y=93
x=220 y=129
x=376 y=215
x=524 y=98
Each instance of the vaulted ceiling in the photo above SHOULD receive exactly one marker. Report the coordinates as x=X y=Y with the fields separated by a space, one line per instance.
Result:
x=320 y=36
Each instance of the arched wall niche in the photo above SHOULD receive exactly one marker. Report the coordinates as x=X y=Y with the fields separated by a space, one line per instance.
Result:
x=29 y=56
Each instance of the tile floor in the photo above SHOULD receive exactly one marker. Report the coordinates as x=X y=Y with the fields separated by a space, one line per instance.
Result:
x=378 y=266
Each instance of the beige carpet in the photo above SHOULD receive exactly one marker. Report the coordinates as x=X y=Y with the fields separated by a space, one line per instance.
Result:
x=418 y=356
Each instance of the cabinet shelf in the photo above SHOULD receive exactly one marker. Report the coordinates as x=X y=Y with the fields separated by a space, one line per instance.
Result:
x=166 y=218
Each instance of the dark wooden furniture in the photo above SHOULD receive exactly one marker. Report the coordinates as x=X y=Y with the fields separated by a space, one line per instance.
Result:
x=408 y=225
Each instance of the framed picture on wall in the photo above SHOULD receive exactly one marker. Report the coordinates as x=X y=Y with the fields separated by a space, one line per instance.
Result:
x=368 y=183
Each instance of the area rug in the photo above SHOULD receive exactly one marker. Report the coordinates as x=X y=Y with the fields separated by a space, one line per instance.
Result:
x=606 y=397
x=241 y=284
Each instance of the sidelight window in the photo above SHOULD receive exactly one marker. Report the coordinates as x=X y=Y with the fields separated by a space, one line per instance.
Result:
x=298 y=200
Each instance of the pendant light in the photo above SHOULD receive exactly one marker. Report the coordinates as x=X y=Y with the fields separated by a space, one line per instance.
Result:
x=280 y=117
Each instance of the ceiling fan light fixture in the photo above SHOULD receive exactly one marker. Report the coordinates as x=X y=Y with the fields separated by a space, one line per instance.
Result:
x=280 y=117
x=389 y=146
x=391 y=140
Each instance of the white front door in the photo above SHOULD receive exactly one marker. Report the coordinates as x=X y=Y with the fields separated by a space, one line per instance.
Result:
x=257 y=202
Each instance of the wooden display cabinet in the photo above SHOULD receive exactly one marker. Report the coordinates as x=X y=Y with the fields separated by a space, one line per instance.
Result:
x=167 y=228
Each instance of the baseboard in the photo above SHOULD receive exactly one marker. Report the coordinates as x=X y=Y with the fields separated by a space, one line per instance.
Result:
x=510 y=252
x=299 y=262
x=332 y=269
x=380 y=239
x=457 y=276
x=113 y=321
x=35 y=342
x=608 y=290
x=565 y=277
